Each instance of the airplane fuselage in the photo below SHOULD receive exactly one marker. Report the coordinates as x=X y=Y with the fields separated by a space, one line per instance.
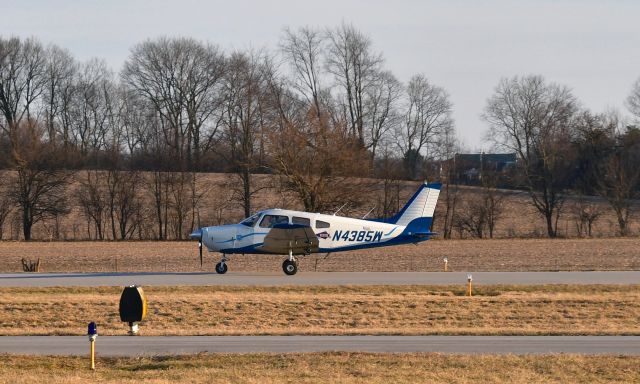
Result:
x=334 y=233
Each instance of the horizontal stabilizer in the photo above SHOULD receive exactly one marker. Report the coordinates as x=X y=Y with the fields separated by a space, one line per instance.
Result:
x=423 y=234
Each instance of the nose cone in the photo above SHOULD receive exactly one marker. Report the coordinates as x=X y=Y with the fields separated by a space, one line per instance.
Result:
x=197 y=234
x=219 y=238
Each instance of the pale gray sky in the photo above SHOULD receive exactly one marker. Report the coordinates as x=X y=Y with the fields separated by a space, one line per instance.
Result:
x=463 y=46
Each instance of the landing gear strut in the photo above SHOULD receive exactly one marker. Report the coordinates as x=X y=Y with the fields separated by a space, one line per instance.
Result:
x=221 y=267
x=290 y=266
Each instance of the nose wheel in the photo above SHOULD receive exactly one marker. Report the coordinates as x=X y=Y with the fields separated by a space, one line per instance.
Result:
x=221 y=267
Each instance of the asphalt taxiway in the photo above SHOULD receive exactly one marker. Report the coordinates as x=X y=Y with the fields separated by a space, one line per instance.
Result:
x=159 y=345
x=315 y=278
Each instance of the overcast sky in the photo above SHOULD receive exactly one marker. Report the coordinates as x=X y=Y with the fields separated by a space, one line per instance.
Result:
x=463 y=46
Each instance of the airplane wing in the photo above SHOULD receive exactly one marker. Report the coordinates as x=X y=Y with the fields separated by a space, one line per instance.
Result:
x=295 y=237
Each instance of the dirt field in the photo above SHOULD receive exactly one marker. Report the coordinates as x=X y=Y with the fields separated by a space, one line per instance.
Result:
x=405 y=310
x=463 y=255
x=324 y=368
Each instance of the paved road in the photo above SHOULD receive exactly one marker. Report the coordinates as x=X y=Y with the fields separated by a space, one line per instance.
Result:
x=315 y=278
x=157 y=345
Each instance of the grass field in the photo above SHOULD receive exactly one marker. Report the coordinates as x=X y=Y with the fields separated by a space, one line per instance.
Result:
x=397 y=310
x=324 y=367
x=463 y=255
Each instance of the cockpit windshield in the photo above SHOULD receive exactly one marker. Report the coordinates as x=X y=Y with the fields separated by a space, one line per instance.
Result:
x=251 y=221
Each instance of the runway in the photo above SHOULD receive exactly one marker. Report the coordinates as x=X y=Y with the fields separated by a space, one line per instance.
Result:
x=159 y=345
x=315 y=278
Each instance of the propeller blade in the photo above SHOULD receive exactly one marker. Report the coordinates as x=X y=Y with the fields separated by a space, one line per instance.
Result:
x=197 y=234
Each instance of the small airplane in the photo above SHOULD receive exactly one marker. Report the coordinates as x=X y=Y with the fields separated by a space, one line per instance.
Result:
x=294 y=233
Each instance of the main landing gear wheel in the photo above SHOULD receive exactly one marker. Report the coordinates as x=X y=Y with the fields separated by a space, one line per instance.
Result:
x=290 y=267
x=221 y=268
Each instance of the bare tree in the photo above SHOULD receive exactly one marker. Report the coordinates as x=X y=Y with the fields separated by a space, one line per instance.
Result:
x=479 y=212
x=158 y=184
x=493 y=201
x=22 y=81
x=383 y=116
x=92 y=107
x=123 y=202
x=586 y=213
x=388 y=169
x=471 y=217
x=621 y=176
x=303 y=50
x=92 y=199
x=534 y=119
x=427 y=114
x=140 y=125
x=180 y=195
x=60 y=71
x=6 y=205
x=315 y=159
x=633 y=100
x=354 y=65
x=180 y=78
x=448 y=146
x=245 y=93
x=39 y=190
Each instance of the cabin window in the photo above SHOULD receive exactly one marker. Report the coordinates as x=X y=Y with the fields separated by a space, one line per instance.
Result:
x=322 y=224
x=251 y=221
x=301 y=221
x=268 y=221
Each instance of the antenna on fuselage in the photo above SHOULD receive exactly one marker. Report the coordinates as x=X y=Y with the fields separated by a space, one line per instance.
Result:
x=367 y=214
x=343 y=205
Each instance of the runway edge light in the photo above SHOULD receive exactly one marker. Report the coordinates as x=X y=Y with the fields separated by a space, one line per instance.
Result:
x=92 y=332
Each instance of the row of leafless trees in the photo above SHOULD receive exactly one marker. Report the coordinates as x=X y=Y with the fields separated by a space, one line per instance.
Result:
x=182 y=105
x=320 y=109
x=562 y=147
x=116 y=204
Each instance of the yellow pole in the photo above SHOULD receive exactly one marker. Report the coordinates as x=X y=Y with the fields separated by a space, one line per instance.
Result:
x=469 y=287
x=446 y=263
x=93 y=354
x=469 y=279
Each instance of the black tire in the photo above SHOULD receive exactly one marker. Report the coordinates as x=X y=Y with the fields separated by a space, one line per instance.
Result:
x=221 y=268
x=290 y=267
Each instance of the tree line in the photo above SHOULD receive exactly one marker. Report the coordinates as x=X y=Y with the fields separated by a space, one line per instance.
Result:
x=320 y=109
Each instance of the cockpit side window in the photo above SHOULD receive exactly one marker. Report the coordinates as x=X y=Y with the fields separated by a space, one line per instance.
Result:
x=322 y=224
x=268 y=221
x=251 y=221
x=301 y=221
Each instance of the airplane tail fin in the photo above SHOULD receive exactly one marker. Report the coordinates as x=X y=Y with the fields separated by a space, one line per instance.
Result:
x=421 y=206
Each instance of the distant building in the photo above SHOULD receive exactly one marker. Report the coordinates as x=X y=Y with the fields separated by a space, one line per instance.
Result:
x=470 y=168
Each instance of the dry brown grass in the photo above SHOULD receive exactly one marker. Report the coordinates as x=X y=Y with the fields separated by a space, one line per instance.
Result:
x=324 y=367
x=463 y=255
x=403 y=310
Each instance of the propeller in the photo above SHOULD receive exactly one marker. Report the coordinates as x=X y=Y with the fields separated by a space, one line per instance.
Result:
x=200 y=239
x=200 y=250
x=197 y=234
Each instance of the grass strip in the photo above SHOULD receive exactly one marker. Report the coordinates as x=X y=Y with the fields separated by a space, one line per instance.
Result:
x=324 y=367
x=330 y=310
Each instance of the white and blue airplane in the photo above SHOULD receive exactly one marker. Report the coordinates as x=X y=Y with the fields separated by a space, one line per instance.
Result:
x=294 y=233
